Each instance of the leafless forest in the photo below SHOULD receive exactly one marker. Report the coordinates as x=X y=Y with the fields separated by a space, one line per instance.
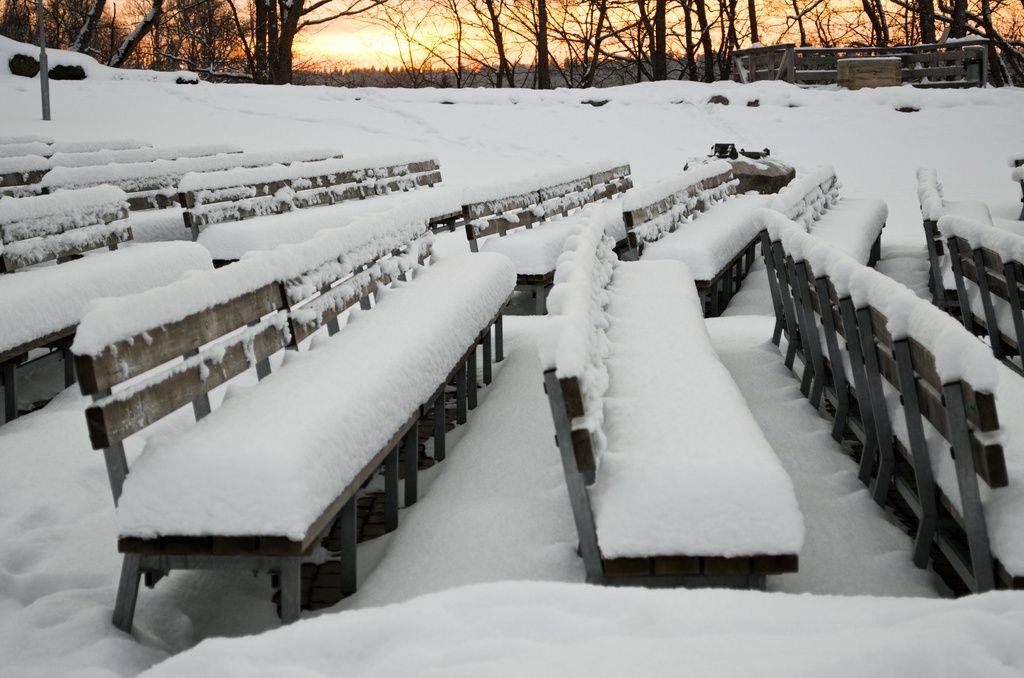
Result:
x=472 y=43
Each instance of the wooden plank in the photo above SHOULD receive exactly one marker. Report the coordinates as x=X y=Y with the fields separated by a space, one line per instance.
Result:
x=782 y=564
x=720 y=566
x=676 y=566
x=39 y=342
x=627 y=567
x=114 y=418
x=572 y=393
x=487 y=208
x=124 y=360
x=11 y=261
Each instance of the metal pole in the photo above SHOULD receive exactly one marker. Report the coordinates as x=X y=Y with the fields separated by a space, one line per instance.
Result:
x=44 y=70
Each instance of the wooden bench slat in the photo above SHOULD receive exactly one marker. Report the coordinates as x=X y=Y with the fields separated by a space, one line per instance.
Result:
x=114 y=418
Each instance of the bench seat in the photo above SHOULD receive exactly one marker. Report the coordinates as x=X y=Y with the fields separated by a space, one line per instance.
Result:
x=533 y=251
x=229 y=240
x=48 y=300
x=710 y=242
x=834 y=226
x=249 y=471
x=687 y=470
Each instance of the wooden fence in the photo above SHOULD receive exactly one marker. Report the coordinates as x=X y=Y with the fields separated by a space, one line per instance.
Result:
x=963 y=63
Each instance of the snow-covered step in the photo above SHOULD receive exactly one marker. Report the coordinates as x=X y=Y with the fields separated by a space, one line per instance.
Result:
x=671 y=480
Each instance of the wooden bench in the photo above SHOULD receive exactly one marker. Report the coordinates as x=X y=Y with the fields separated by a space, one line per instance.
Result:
x=671 y=481
x=497 y=210
x=257 y=481
x=988 y=267
x=41 y=304
x=225 y=210
x=1017 y=163
x=925 y=391
x=697 y=218
x=19 y=173
x=933 y=207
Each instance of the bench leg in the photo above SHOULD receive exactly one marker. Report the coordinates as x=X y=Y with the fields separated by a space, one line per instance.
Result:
x=487 y=356
x=460 y=394
x=127 y=592
x=439 y=428
x=69 y=365
x=471 y=380
x=10 y=391
x=412 y=466
x=349 y=535
x=499 y=340
x=880 y=412
x=291 y=589
x=391 y=490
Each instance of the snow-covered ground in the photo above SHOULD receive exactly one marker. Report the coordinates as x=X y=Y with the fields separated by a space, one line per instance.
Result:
x=495 y=513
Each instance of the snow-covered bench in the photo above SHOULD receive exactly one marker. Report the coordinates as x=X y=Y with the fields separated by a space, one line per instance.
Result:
x=41 y=304
x=852 y=225
x=927 y=392
x=671 y=480
x=495 y=210
x=933 y=207
x=238 y=198
x=19 y=173
x=988 y=267
x=256 y=481
x=1017 y=174
x=697 y=218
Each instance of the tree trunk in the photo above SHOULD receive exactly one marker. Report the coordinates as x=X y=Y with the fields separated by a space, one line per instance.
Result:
x=92 y=19
x=543 y=60
x=927 y=19
x=958 y=25
x=752 y=13
x=135 y=37
x=705 y=40
x=499 y=45
x=598 y=37
x=659 y=56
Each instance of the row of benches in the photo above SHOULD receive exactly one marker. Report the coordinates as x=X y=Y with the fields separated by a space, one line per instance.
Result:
x=257 y=480
x=915 y=396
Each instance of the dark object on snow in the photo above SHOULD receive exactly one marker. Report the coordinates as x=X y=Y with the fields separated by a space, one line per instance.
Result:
x=67 y=73
x=24 y=65
x=187 y=79
x=724 y=151
x=756 y=155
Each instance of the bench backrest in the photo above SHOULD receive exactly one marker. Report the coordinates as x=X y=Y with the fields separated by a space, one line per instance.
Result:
x=988 y=265
x=41 y=228
x=808 y=196
x=233 y=195
x=654 y=211
x=503 y=207
x=19 y=174
x=944 y=377
x=154 y=183
x=202 y=331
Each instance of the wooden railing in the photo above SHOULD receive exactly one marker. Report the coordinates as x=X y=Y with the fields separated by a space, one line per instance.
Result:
x=963 y=63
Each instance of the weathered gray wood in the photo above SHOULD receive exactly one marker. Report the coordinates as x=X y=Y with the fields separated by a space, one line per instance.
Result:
x=127 y=592
x=12 y=261
x=113 y=419
x=291 y=589
x=126 y=359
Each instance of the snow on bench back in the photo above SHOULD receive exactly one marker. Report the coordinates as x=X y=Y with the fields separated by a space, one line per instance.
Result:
x=652 y=211
x=808 y=196
x=147 y=154
x=1009 y=247
x=41 y=228
x=162 y=176
x=259 y=306
x=97 y=145
x=240 y=193
x=13 y=139
x=16 y=150
x=573 y=342
x=495 y=208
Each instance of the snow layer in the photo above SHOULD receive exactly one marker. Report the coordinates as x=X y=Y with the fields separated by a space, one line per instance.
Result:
x=1007 y=245
x=227 y=474
x=51 y=298
x=519 y=629
x=230 y=240
x=144 y=175
x=934 y=206
x=537 y=181
x=44 y=215
x=112 y=320
x=533 y=251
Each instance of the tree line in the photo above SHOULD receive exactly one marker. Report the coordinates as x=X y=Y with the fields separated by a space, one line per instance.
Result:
x=500 y=43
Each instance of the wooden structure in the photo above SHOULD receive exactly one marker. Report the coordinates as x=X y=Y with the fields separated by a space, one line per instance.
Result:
x=963 y=63
x=850 y=354
x=865 y=72
x=191 y=356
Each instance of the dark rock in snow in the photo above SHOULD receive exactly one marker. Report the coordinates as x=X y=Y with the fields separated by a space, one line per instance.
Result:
x=24 y=65
x=62 y=72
